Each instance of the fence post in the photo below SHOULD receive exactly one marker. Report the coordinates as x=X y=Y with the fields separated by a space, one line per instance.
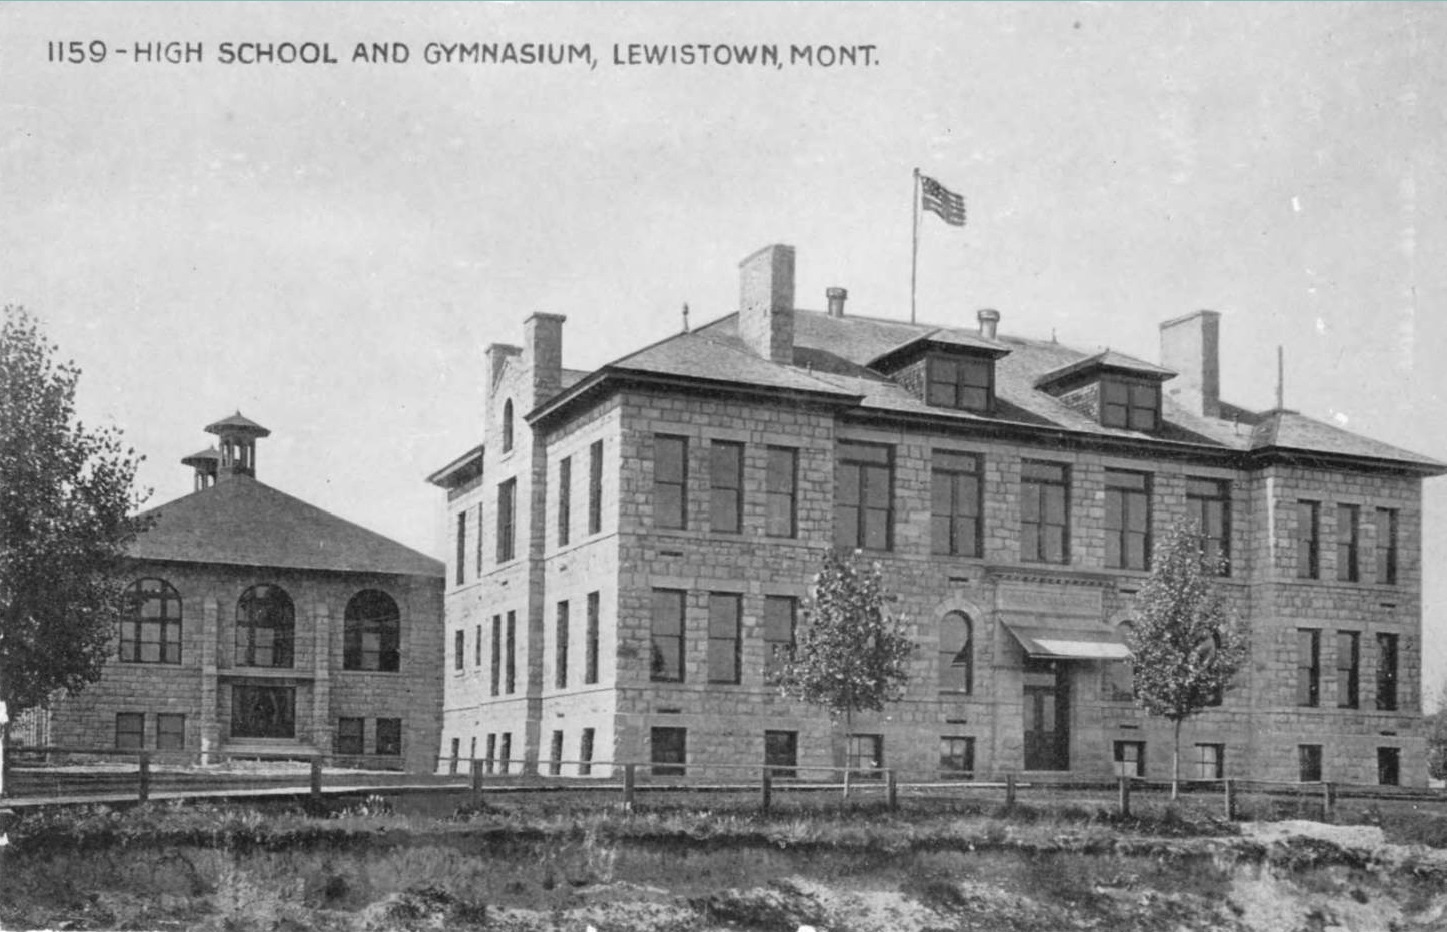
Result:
x=475 y=767
x=766 y=797
x=891 y=790
x=316 y=767
x=1230 y=799
x=1009 y=791
x=1328 y=802
x=1125 y=797
x=144 y=777
x=628 y=784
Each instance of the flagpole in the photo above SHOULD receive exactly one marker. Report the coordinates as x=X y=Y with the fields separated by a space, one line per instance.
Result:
x=914 y=247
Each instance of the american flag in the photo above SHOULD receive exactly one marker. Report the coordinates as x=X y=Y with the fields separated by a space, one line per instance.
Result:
x=940 y=199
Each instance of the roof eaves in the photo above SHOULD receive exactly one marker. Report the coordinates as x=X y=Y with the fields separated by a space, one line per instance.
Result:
x=441 y=476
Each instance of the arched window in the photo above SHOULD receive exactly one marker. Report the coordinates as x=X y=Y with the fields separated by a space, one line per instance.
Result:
x=372 y=635
x=957 y=653
x=507 y=425
x=151 y=622
x=265 y=627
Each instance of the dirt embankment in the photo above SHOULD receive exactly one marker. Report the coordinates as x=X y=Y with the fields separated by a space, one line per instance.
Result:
x=1281 y=877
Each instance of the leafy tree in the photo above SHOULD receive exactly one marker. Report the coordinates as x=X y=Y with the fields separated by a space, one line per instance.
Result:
x=1186 y=643
x=66 y=496
x=853 y=655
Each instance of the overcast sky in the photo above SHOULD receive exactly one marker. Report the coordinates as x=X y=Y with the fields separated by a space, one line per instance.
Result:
x=329 y=248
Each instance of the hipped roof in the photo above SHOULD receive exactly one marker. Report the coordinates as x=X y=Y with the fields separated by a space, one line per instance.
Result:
x=242 y=522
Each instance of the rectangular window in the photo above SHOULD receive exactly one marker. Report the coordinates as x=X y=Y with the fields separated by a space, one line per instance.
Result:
x=670 y=481
x=780 y=618
x=151 y=623
x=1127 y=520
x=1308 y=667
x=666 y=665
x=781 y=754
x=505 y=753
x=955 y=526
x=389 y=737
x=595 y=487
x=495 y=661
x=349 y=735
x=726 y=487
x=1208 y=504
x=1044 y=512
x=507 y=520
x=725 y=634
x=1386 y=546
x=865 y=757
x=471 y=752
x=1130 y=758
x=669 y=751
x=960 y=382
x=490 y=761
x=590 y=647
x=1386 y=673
x=477 y=559
x=1308 y=540
x=170 y=731
x=565 y=500
x=781 y=482
x=1210 y=761
x=585 y=753
x=477 y=647
x=1348 y=668
x=957 y=757
x=1308 y=758
x=512 y=652
x=864 y=497
x=1132 y=405
x=457 y=649
x=461 y=546
x=555 y=755
x=1389 y=766
x=1348 y=542
x=560 y=648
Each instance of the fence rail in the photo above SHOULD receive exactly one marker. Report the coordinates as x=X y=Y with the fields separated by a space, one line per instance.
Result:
x=69 y=775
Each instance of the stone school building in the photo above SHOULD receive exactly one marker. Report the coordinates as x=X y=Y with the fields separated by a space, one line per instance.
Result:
x=633 y=542
x=255 y=621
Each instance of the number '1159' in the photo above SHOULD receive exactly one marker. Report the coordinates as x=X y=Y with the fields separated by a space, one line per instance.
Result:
x=76 y=53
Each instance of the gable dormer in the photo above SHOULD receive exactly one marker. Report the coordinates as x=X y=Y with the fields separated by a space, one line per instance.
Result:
x=1112 y=388
x=951 y=369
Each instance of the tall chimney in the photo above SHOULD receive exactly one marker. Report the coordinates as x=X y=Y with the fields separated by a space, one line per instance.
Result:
x=543 y=355
x=837 y=297
x=766 y=303
x=989 y=322
x=1191 y=347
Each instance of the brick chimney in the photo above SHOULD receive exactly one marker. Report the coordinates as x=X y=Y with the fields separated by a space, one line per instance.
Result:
x=766 y=303
x=1191 y=347
x=543 y=355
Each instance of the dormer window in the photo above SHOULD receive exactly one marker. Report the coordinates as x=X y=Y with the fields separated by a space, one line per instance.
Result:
x=964 y=382
x=1130 y=404
x=1112 y=388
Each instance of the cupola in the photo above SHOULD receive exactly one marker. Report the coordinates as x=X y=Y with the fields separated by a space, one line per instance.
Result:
x=237 y=436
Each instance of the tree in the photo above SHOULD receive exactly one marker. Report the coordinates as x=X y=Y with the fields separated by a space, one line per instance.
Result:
x=66 y=500
x=853 y=655
x=1186 y=643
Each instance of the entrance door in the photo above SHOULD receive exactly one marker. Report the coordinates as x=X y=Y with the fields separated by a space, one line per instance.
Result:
x=263 y=711
x=1047 y=716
